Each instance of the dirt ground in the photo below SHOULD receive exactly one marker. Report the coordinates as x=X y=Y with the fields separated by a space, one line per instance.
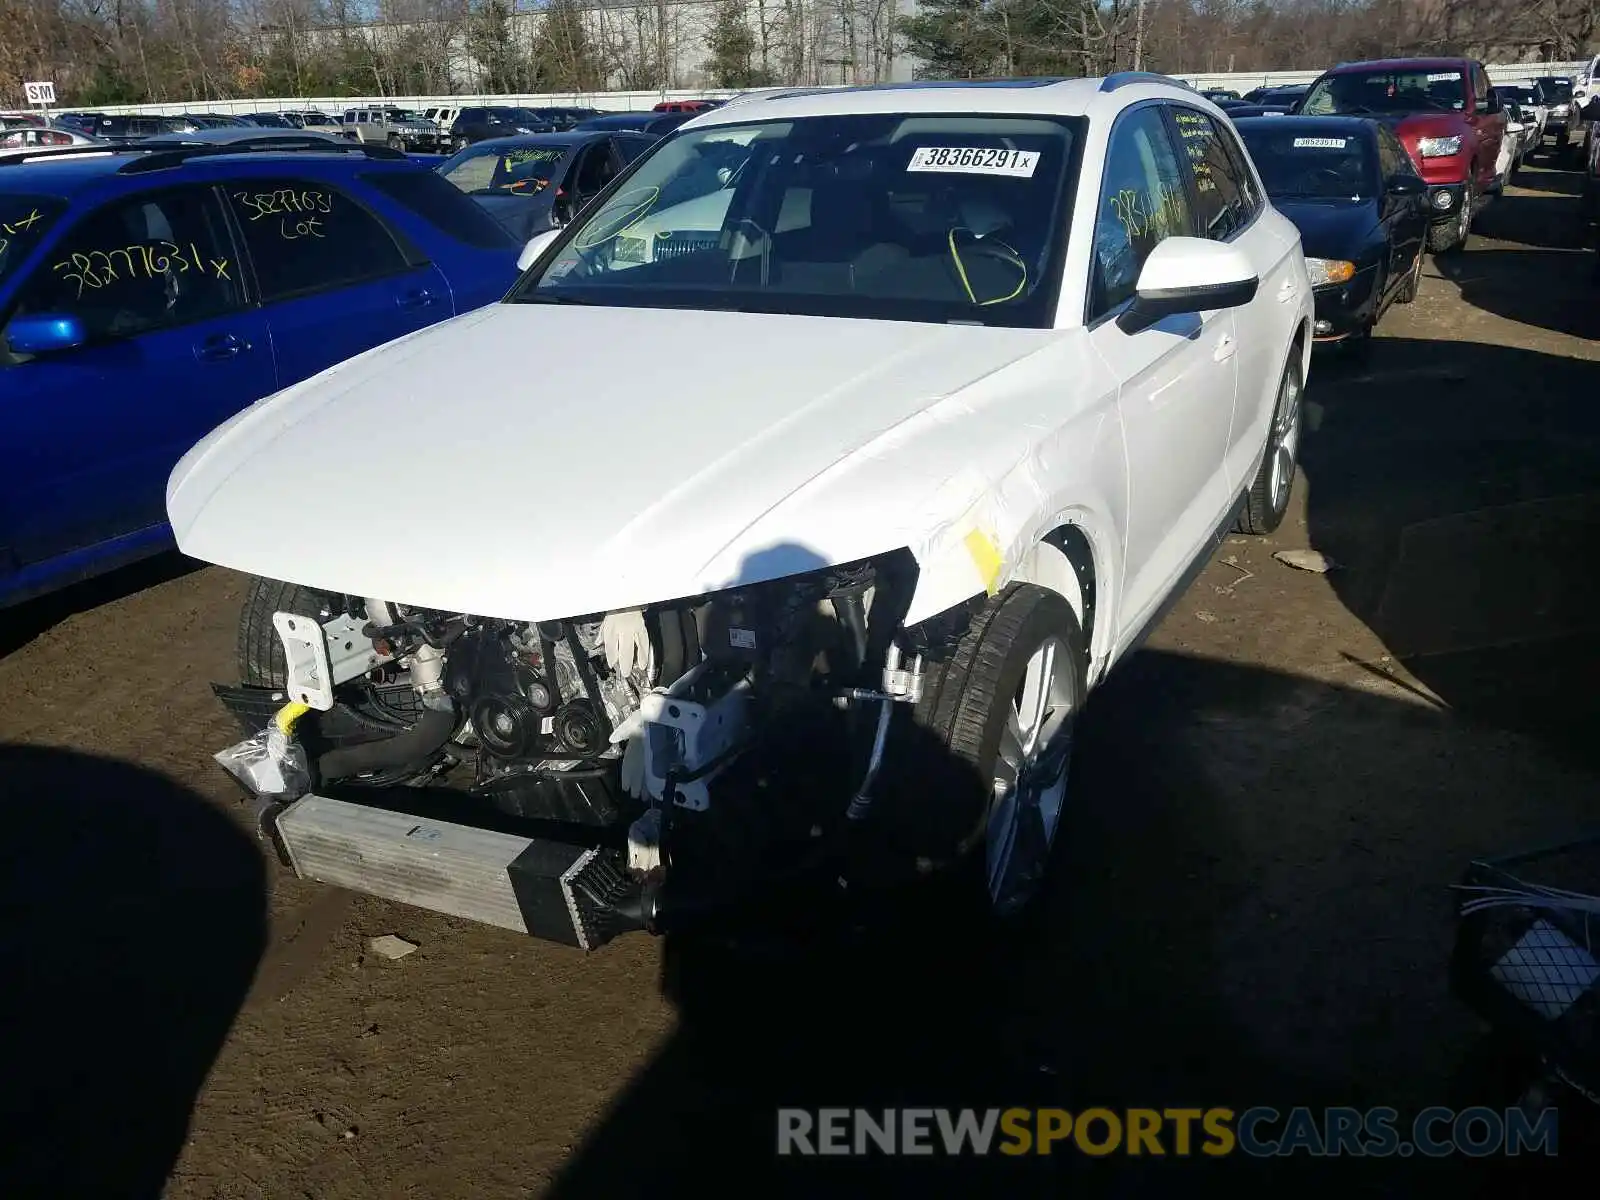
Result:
x=1251 y=905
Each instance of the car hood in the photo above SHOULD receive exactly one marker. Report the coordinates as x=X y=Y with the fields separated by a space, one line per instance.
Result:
x=1330 y=228
x=536 y=461
x=1409 y=127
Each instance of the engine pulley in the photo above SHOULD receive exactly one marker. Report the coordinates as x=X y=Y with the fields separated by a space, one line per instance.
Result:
x=579 y=728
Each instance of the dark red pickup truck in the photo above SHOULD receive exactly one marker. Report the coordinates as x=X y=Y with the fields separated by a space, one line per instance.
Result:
x=1445 y=114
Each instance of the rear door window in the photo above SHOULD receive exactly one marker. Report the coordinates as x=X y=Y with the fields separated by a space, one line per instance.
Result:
x=429 y=196
x=306 y=236
x=631 y=145
x=1223 y=202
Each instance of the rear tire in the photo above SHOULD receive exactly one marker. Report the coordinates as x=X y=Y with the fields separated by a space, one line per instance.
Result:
x=1268 y=498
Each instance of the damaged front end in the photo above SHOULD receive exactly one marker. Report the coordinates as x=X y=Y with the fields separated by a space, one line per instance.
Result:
x=657 y=768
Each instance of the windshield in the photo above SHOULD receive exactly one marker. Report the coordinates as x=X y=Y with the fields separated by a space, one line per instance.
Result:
x=1303 y=166
x=1522 y=95
x=519 y=171
x=24 y=220
x=1385 y=92
x=1557 y=91
x=922 y=218
x=401 y=114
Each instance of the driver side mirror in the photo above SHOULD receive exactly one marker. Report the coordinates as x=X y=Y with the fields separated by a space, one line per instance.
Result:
x=1189 y=275
x=1402 y=184
x=45 y=333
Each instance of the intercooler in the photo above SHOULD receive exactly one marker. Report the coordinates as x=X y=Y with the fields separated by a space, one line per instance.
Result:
x=573 y=894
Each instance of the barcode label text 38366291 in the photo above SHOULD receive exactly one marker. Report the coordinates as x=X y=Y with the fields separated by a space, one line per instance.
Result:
x=975 y=160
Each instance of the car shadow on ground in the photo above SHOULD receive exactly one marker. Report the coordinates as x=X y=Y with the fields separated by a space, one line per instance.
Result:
x=21 y=623
x=132 y=917
x=1551 y=221
x=1546 y=289
x=1459 y=486
x=1543 y=175
x=1250 y=906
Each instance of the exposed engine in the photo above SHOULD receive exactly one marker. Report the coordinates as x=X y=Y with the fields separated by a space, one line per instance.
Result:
x=713 y=744
x=568 y=717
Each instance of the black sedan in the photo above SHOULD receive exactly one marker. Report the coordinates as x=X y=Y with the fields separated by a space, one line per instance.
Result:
x=532 y=183
x=478 y=124
x=1286 y=94
x=1237 y=111
x=654 y=123
x=1352 y=191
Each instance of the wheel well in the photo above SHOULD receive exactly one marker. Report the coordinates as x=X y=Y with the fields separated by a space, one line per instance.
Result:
x=1063 y=561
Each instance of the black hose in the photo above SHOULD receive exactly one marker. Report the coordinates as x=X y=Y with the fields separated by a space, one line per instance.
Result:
x=852 y=614
x=414 y=746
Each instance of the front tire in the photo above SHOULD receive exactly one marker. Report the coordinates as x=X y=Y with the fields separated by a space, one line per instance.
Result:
x=1413 y=284
x=1268 y=498
x=1446 y=238
x=365 y=712
x=997 y=716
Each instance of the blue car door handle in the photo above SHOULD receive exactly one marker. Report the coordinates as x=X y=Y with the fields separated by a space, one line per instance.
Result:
x=220 y=347
x=420 y=298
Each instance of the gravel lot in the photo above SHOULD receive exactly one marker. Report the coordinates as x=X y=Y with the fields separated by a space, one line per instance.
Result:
x=1251 y=906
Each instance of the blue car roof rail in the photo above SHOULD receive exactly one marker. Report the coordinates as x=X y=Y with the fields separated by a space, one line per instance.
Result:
x=166 y=155
x=1123 y=78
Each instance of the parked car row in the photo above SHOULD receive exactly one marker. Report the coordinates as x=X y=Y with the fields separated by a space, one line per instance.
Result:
x=149 y=292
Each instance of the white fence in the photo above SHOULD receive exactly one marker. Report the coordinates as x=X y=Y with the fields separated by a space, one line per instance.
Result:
x=1240 y=82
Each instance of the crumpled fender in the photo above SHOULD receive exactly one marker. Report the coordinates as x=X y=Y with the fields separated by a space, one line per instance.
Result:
x=987 y=524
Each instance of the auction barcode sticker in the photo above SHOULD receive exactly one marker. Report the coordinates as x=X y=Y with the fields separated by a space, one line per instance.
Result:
x=1444 y=77
x=975 y=160
x=1320 y=143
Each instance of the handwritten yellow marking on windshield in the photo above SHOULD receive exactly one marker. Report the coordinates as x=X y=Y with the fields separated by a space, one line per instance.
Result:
x=1128 y=206
x=27 y=222
x=98 y=269
x=1129 y=210
x=284 y=202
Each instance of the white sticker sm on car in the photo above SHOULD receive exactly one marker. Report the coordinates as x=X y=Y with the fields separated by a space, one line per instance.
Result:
x=975 y=160
x=1320 y=143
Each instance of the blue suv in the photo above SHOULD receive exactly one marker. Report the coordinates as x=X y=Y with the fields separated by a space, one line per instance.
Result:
x=147 y=295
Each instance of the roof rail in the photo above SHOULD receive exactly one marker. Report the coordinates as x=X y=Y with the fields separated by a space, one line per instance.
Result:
x=163 y=154
x=1123 y=78
x=778 y=93
x=38 y=152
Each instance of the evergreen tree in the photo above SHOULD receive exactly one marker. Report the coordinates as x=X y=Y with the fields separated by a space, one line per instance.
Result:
x=732 y=47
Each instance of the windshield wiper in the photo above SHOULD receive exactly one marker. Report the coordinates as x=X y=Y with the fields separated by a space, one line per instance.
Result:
x=546 y=298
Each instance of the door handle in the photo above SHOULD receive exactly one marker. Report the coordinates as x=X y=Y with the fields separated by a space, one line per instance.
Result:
x=1287 y=291
x=420 y=298
x=1226 y=345
x=219 y=348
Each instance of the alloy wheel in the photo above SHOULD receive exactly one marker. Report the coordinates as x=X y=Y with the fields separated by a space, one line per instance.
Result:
x=1285 y=441
x=1030 y=776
